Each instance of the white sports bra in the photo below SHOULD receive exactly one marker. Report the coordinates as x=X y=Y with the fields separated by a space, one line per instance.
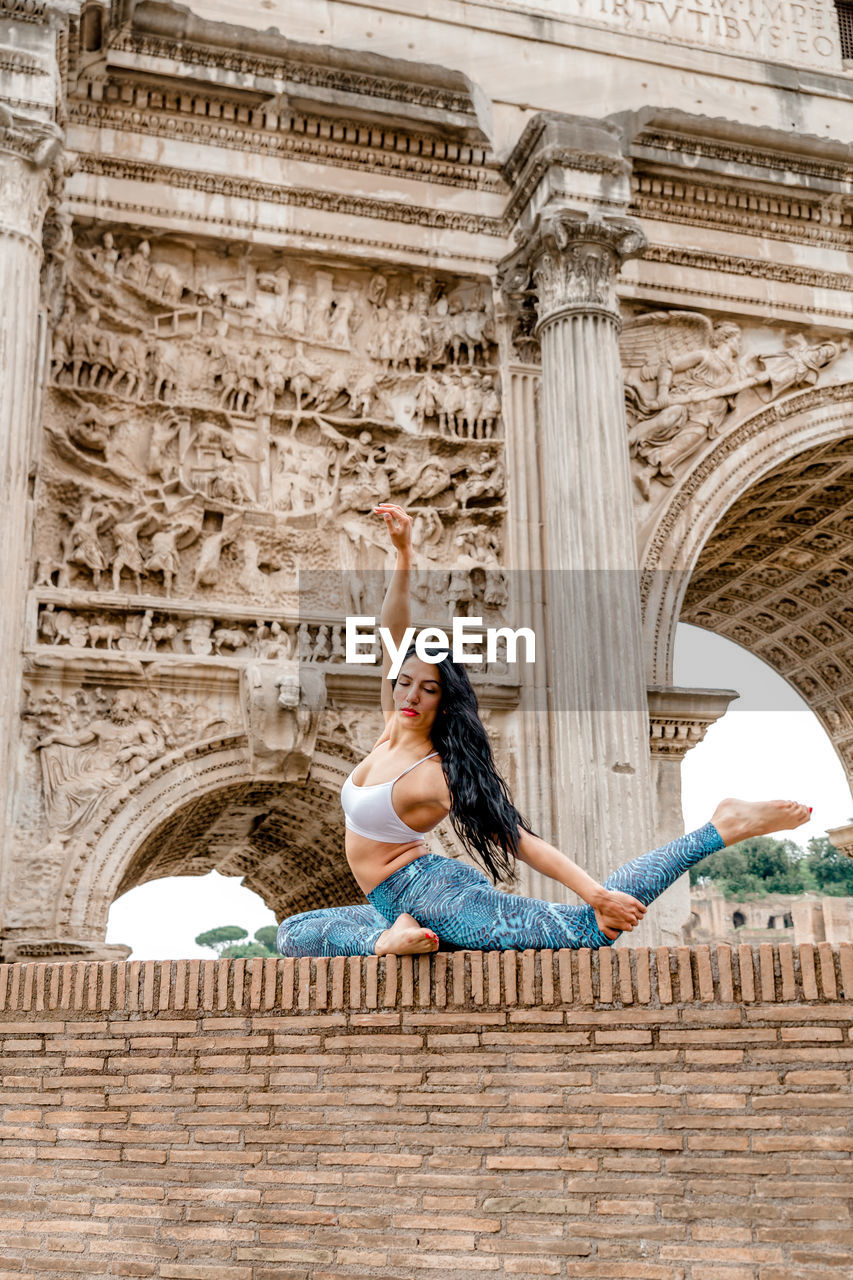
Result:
x=369 y=811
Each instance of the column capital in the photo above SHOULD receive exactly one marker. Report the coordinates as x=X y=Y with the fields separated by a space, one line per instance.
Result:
x=680 y=718
x=569 y=260
x=29 y=150
x=37 y=142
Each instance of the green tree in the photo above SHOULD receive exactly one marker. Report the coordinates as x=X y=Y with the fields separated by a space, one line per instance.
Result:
x=266 y=937
x=246 y=951
x=756 y=867
x=221 y=938
x=831 y=869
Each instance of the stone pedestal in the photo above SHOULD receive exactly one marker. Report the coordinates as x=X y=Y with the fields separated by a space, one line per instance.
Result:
x=678 y=720
x=597 y=698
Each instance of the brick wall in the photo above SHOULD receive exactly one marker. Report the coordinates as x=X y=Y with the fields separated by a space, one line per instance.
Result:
x=629 y=1115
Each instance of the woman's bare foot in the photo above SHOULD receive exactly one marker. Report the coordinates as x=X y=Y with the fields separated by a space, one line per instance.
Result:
x=406 y=938
x=739 y=819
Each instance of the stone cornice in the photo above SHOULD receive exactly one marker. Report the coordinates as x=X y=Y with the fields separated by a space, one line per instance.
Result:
x=303 y=197
x=172 y=33
x=825 y=221
x=842 y=838
x=760 y=268
x=552 y=141
x=348 y=144
x=680 y=718
x=659 y=135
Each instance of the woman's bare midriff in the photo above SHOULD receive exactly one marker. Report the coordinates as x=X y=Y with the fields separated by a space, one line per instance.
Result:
x=372 y=861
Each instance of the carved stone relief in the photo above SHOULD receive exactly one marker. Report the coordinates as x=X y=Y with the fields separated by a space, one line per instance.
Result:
x=91 y=742
x=214 y=426
x=211 y=419
x=687 y=380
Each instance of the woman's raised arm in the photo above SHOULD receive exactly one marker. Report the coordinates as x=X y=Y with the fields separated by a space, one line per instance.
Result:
x=614 y=910
x=396 y=608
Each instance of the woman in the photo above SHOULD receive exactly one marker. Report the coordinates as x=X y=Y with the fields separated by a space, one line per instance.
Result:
x=434 y=760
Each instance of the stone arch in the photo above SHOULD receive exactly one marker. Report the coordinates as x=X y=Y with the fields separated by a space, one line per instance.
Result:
x=757 y=545
x=202 y=809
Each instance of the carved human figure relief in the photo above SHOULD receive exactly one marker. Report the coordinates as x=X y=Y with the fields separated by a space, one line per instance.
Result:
x=684 y=377
x=189 y=387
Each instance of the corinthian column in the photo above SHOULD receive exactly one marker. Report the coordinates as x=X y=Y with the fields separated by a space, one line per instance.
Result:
x=597 y=694
x=27 y=149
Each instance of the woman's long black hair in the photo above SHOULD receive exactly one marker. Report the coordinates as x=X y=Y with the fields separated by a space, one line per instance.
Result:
x=481 y=810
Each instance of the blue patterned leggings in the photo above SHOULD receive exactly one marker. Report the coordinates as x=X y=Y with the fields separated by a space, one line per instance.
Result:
x=461 y=905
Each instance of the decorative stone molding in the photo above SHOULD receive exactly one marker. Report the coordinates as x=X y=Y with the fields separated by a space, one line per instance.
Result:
x=571 y=260
x=760 y=268
x=176 y=37
x=680 y=718
x=804 y=159
x=819 y=220
x=35 y=11
x=842 y=838
x=210 y=120
x=303 y=197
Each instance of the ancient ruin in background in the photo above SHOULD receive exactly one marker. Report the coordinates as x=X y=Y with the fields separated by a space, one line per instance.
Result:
x=254 y=283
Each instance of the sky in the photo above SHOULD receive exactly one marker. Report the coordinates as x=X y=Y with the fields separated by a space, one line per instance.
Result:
x=767 y=746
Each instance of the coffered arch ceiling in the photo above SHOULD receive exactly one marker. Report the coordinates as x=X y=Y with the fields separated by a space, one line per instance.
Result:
x=776 y=576
x=285 y=841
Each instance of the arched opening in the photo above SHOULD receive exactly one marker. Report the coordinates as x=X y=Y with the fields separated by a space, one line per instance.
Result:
x=160 y=919
x=756 y=545
x=738 y=919
x=206 y=812
x=776 y=577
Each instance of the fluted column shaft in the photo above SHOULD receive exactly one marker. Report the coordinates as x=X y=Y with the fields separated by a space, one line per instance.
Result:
x=597 y=695
x=23 y=203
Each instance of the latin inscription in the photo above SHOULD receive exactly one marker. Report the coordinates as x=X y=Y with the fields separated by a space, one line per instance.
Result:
x=798 y=31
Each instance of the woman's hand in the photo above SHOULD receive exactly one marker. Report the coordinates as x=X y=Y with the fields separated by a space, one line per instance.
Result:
x=617 y=912
x=398 y=524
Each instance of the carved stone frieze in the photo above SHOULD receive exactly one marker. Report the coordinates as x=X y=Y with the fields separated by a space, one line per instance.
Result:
x=570 y=260
x=208 y=416
x=687 y=380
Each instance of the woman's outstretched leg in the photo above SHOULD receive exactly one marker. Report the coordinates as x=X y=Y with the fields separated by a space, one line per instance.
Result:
x=352 y=931
x=648 y=876
x=460 y=905
x=332 y=931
